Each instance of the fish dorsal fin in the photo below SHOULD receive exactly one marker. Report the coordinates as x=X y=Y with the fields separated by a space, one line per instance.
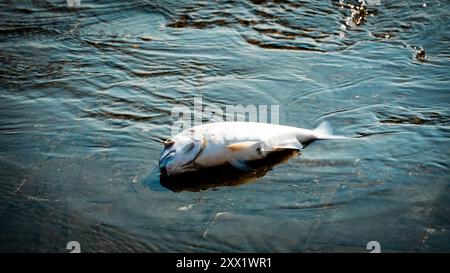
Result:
x=324 y=128
x=294 y=145
x=241 y=146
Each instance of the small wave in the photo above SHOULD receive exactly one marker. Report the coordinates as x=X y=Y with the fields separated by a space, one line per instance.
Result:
x=418 y=118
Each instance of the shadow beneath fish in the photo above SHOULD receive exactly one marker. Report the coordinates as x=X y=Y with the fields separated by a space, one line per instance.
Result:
x=224 y=175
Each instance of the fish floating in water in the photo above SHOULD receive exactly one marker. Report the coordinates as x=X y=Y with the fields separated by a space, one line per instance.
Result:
x=236 y=143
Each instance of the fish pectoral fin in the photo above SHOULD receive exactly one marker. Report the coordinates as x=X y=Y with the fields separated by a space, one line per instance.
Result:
x=295 y=145
x=240 y=146
x=240 y=164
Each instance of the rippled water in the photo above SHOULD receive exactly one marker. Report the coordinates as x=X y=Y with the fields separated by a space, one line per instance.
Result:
x=86 y=95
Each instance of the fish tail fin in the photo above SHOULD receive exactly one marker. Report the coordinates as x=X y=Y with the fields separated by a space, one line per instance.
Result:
x=324 y=131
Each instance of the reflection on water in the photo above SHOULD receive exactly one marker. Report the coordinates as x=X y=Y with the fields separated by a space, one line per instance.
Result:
x=86 y=96
x=224 y=175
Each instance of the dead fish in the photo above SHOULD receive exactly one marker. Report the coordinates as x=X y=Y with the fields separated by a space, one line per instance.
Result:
x=236 y=143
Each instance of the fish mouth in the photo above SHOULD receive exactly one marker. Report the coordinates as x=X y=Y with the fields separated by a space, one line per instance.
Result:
x=189 y=166
x=166 y=158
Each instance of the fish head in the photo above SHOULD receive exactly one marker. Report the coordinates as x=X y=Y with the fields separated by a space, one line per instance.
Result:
x=179 y=154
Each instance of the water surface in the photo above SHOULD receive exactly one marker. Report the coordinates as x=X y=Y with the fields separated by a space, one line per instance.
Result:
x=86 y=95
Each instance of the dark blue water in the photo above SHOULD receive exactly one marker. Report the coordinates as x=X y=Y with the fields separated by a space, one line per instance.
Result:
x=86 y=96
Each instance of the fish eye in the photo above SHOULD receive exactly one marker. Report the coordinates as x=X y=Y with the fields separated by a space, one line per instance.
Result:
x=188 y=147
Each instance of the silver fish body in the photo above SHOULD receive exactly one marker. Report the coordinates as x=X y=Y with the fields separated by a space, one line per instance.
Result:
x=235 y=143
